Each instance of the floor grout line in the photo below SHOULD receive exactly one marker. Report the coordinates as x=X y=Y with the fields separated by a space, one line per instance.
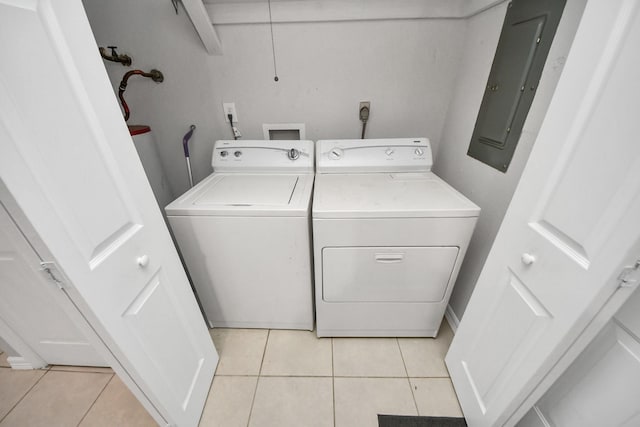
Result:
x=283 y=375
x=333 y=384
x=329 y=376
x=404 y=364
x=96 y=399
x=253 y=400
x=24 y=395
x=80 y=369
x=415 y=403
x=255 y=390
x=264 y=351
x=206 y=401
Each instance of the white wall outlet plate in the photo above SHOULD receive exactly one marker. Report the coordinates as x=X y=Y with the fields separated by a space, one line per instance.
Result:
x=364 y=115
x=230 y=108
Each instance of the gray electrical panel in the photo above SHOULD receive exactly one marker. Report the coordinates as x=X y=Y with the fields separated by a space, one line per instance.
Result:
x=524 y=44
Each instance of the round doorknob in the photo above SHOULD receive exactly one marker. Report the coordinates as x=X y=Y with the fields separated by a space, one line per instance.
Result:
x=528 y=259
x=143 y=261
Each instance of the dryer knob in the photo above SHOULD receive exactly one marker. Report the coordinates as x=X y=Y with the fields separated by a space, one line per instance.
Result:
x=224 y=153
x=335 y=153
x=293 y=154
x=238 y=153
x=419 y=151
x=389 y=151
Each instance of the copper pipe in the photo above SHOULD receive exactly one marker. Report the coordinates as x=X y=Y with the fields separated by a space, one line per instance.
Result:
x=114 y=57
x=154 y=75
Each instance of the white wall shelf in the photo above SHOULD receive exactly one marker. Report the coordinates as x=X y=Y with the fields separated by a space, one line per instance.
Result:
x=224 y=12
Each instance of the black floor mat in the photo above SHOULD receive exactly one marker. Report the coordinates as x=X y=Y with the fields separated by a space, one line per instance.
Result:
x=409 y=421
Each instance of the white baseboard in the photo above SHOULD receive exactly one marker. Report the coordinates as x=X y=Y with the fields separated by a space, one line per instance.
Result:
x=452 y=319
x=18 y=362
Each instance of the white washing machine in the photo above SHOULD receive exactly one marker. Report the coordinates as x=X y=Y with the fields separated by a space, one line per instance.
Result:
x=244 y=233
x=389 y=237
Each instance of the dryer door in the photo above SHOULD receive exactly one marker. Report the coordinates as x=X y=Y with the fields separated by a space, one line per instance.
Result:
x=387 y=274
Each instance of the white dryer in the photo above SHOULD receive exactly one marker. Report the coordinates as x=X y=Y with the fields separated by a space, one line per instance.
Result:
x=389 y=237
x=244 y=233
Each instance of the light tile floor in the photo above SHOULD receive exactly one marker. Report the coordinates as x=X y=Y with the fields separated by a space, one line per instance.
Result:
x=265 y=378
x=67 y=396
x=292 y=378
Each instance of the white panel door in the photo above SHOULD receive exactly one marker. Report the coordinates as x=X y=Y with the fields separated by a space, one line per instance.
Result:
x=67 y=158
x=602 y=386
x=28 y=307
x=572 y=220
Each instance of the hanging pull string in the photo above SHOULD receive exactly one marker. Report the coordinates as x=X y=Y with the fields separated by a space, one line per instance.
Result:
x=273 y=45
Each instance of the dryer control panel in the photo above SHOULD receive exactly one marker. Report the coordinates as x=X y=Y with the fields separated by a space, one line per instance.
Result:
x=373 y=155
x=262 y=156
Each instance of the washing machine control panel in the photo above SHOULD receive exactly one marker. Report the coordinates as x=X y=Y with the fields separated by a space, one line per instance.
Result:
x=260 y=155
x=374 y=155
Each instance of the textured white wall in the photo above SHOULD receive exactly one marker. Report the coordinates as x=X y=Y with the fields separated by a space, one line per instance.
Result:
x=406 y=68
x=490 y=189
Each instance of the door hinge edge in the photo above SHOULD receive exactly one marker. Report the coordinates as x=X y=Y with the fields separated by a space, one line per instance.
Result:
x=52 y=273
x=629 y=276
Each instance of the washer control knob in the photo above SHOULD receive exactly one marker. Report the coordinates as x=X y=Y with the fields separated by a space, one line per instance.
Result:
x=224 y=153
x=389 y=151
x=293 y=154
x=419 y=151
x=238 y=153
x=335 y=153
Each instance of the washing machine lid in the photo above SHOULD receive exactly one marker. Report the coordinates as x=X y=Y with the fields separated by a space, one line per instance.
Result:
x=251 y=194
x=388 y=195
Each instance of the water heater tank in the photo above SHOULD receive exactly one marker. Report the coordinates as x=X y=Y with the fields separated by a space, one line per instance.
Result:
x=148 y=152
